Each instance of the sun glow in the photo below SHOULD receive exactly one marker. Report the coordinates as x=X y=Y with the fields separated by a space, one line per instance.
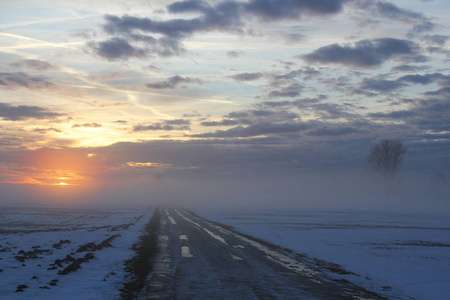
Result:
x=63 y=184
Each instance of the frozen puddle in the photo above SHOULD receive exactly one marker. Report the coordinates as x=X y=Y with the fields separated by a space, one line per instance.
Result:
x=186 y=252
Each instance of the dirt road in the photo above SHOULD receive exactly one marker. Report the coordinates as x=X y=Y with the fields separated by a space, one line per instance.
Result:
x=199 y=259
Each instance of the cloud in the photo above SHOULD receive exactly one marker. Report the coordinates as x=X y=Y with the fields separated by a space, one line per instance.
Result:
x=421 y=79
x=152 y=68
x=33 y=64
x=426 y=114
x=224 y=122
x=391 y=11
x=168 y=125
x=235 y=54
x=118 y=48
x=291 y=91
x=271 y=10
x=436 y=39
x=387 y=10
x=381 y=85
x=135 y=37
x=333 y=111
x=333 y=131
x=122 y=122
x=426 y=26
x=363 y=54
x=255 y=130
x=23 y=112
x=87 y=125
x=409 y=68
x=222 y=17
x=173 y=82
x=399 y=114
x=387 y=86
x=247 y=76
x=20 y=79
x=46 y=130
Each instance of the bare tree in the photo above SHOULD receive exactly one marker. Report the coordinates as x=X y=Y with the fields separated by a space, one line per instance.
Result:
x=385 y=158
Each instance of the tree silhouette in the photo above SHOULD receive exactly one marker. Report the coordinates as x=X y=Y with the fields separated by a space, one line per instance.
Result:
x=385 y=158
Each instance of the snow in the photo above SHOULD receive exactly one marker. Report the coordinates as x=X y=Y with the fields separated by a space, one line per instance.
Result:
x=398 y=255
x=186 y=252
x=215 y=236
x=40 y=229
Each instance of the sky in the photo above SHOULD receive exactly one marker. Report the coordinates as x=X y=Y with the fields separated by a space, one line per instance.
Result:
x=248 y=102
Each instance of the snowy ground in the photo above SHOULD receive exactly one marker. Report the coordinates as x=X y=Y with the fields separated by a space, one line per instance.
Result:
x=400 y=255
x=33 y=240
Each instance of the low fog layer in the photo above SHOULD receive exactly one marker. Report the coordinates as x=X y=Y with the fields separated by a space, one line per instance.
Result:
x=195 y=174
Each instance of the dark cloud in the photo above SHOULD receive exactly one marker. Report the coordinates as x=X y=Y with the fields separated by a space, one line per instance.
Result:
x=391 y=11
x=421 y=79
x=305 y=102
x=301 y=103
x=380 y=85
x=118 y=48
x=23 y=112
x=262 y=112
x=20 y=79
x=428 y=114
x=306 y=73
x=445 y=92
x=177 y=122
x=387 y=10
x=134 y=37
x=275 y=104
x=271 y=10
x=247 y=76
x=436 y=39
x=334 y=111
x=291 y=91
x=33 y=64
x=168 y=125
x=365 y=53
x=387 y=86
x=222 y=17
x=87 y=125
x=425 y=26
x=237 y=114
x=224 y=122
x=46 y=130
x=333 y=131
x=399 y=114
x=173 y=82
x=409 y=68
x=122 y=122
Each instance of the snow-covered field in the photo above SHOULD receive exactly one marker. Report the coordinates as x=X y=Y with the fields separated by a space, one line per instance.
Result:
x=399 y=255
x=41 y=249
